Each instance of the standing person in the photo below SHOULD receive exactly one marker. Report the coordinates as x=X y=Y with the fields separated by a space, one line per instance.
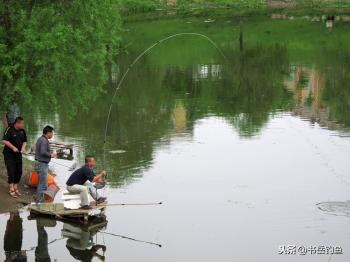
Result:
x=43 y=157
x=15 y=141
x=11 y=113
x=80 y=180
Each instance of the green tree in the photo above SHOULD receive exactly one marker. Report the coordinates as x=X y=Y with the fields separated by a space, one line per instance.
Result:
x=56 y=49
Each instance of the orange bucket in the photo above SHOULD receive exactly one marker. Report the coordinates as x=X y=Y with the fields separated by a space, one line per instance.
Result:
x=34 y=179
x=50 y=193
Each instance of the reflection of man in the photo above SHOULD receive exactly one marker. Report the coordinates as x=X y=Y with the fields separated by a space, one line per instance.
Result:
x=80 y=182
x=80 y=242
x=13 y=238
x=41 y=251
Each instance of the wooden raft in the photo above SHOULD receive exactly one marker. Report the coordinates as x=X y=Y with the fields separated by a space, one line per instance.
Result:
x=63 y=150
x=57 y=211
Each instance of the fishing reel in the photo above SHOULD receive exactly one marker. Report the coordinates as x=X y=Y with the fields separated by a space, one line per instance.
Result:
x=99 y=185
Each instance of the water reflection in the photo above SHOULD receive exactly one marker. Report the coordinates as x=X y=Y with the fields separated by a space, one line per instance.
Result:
x=41 y=250
x=183 y=92
x=321 y=93
x=80 y=241
x=336 y=208
x=13 y=238
x=185 y=80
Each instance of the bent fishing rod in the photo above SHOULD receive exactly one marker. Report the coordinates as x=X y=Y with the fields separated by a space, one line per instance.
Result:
x=143 y=54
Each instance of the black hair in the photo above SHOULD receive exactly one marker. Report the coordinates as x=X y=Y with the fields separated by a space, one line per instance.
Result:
x=88 y=158
x=18 y=119
x=47 y=129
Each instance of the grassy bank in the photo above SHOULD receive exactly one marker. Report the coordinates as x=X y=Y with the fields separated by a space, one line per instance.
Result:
x=8 y=203
x=152 y=9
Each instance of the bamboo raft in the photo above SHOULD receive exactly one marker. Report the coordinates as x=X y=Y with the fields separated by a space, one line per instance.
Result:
x=57 y=211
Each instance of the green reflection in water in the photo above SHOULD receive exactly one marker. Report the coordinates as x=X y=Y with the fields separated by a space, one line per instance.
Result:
x=287 y=66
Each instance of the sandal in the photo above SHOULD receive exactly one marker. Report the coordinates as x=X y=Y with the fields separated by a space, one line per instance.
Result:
x=18 y=193
x=13 y=193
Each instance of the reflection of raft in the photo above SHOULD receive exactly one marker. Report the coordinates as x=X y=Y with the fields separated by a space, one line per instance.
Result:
x=57 y=211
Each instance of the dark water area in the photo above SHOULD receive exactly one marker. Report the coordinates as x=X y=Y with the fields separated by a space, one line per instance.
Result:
x=247 y=152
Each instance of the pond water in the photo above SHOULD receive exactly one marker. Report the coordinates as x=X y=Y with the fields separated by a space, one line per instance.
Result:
x=248 y=153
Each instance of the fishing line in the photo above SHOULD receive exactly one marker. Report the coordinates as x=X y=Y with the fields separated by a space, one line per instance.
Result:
x=134 y=62
x=139 y=57
x=133 y=204
x=51 y=242
x=130 y=238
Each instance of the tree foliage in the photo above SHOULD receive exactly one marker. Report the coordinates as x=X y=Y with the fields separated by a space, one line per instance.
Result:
x=49 y=47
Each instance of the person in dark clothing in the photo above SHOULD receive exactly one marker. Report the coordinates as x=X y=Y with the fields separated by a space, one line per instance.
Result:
x=41 y=250
x=80 y=181
x=43 y=157
x=13 y=238
x=86 y=255
x=80 y=242
x=15 y=141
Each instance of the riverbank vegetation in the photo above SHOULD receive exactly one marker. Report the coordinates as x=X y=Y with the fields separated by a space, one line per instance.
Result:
x=151 y=9
x=39 y=41
x=48 y=48
x=60 y=57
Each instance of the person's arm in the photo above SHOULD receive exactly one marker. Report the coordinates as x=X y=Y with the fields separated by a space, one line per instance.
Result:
x=98 y=178
x=6 y=140
x=23 y=149
x=8 y=144
x=24 y=145
x=43 y=149
x=54 y=154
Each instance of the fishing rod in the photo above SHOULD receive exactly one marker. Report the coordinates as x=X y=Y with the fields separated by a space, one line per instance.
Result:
x=71 y=168
x=133 y=204
x=140 y=56
x=130 y=238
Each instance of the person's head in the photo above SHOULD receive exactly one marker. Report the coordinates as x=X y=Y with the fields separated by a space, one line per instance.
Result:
x=48 y=132
x=90 y=161
x=19 y=123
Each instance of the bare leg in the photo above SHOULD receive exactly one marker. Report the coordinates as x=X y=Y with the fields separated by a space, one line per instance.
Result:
x=12 y=190
x=15 y=187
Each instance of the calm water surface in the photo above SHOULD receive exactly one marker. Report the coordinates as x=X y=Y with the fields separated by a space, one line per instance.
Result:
x=246 y=153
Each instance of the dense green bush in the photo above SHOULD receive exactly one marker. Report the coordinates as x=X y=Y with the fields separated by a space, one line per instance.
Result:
x=46 y=47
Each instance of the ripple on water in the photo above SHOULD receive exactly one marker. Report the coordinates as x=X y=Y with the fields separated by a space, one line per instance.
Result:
x=335 y=208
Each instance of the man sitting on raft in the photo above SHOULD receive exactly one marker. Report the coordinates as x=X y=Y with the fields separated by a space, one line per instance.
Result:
x=80 y=181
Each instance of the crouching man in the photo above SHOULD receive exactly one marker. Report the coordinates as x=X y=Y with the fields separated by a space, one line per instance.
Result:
x=80 y=182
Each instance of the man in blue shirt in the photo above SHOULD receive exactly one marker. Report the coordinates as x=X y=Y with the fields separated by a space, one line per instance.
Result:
x=79 y=180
